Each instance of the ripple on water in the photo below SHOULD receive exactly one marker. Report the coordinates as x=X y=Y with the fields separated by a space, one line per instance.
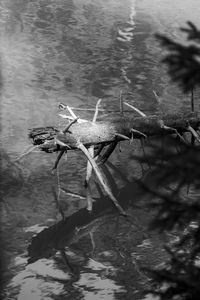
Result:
x=74 y=52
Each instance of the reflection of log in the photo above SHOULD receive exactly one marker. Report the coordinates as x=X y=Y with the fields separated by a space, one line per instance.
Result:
x=79 y=224
x=105 y=132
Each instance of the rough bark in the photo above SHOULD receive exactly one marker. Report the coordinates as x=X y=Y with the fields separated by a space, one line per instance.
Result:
x=105 y=132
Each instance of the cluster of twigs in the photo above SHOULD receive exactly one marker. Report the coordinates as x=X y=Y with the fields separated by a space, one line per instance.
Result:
x=107 y=134
x=91 y=164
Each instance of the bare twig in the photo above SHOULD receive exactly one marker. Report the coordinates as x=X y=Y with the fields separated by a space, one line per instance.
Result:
x=138 y=132
x=122 y=136
x=173 y=130
x=28 y=150
x=67 y=192
x=64 y=107
x=57 y=141
x=89 y=198
x=71 y=112
x=136 y=109
x=70 y=124
x=79 y=120
x=96 y=111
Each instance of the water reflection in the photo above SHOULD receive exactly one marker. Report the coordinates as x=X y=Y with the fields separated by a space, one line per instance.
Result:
x=73 y=52
x=89 y=254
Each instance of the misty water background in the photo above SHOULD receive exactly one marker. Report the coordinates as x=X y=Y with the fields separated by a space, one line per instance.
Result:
x=75 y=52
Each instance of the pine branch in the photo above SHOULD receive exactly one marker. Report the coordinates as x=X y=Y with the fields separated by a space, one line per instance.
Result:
x=183 y=61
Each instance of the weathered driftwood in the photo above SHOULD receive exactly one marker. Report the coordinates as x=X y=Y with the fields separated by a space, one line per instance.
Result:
x=118 y=128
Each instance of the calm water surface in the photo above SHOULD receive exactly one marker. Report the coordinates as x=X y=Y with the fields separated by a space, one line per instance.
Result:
x=76 y=52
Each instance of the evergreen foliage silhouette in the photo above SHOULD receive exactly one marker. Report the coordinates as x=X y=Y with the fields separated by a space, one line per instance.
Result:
x=175 y=169
x=183 y=61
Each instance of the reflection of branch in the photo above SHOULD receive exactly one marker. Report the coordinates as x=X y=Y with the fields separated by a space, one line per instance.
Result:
x=80 y=223
x=68 y=265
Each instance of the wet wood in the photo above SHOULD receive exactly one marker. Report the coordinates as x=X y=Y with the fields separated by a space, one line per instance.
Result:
x=107 y=131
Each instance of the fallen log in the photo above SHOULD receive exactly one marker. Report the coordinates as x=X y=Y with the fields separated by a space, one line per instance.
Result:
x=119 y=128
x=87 y=134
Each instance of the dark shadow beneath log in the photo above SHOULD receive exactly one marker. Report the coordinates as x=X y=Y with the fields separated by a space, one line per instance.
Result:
x=79 y=224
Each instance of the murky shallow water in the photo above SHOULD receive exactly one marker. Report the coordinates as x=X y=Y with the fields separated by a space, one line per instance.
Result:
x=75 y=52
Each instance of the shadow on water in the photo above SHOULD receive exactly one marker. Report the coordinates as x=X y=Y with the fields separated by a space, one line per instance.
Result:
x=94 y=254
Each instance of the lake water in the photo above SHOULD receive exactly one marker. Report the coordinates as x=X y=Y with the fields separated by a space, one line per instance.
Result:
x=75 y=52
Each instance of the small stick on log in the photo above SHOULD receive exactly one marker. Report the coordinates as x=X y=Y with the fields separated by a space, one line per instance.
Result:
x=167 y=128
x=64 y=107
x=75 y=195
x=96 y=111
x=136 y=109
x=57 y=141
x=71 y=118
x=71 y=112
x=138 y=132
x=70 y=124
x=122 y=136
